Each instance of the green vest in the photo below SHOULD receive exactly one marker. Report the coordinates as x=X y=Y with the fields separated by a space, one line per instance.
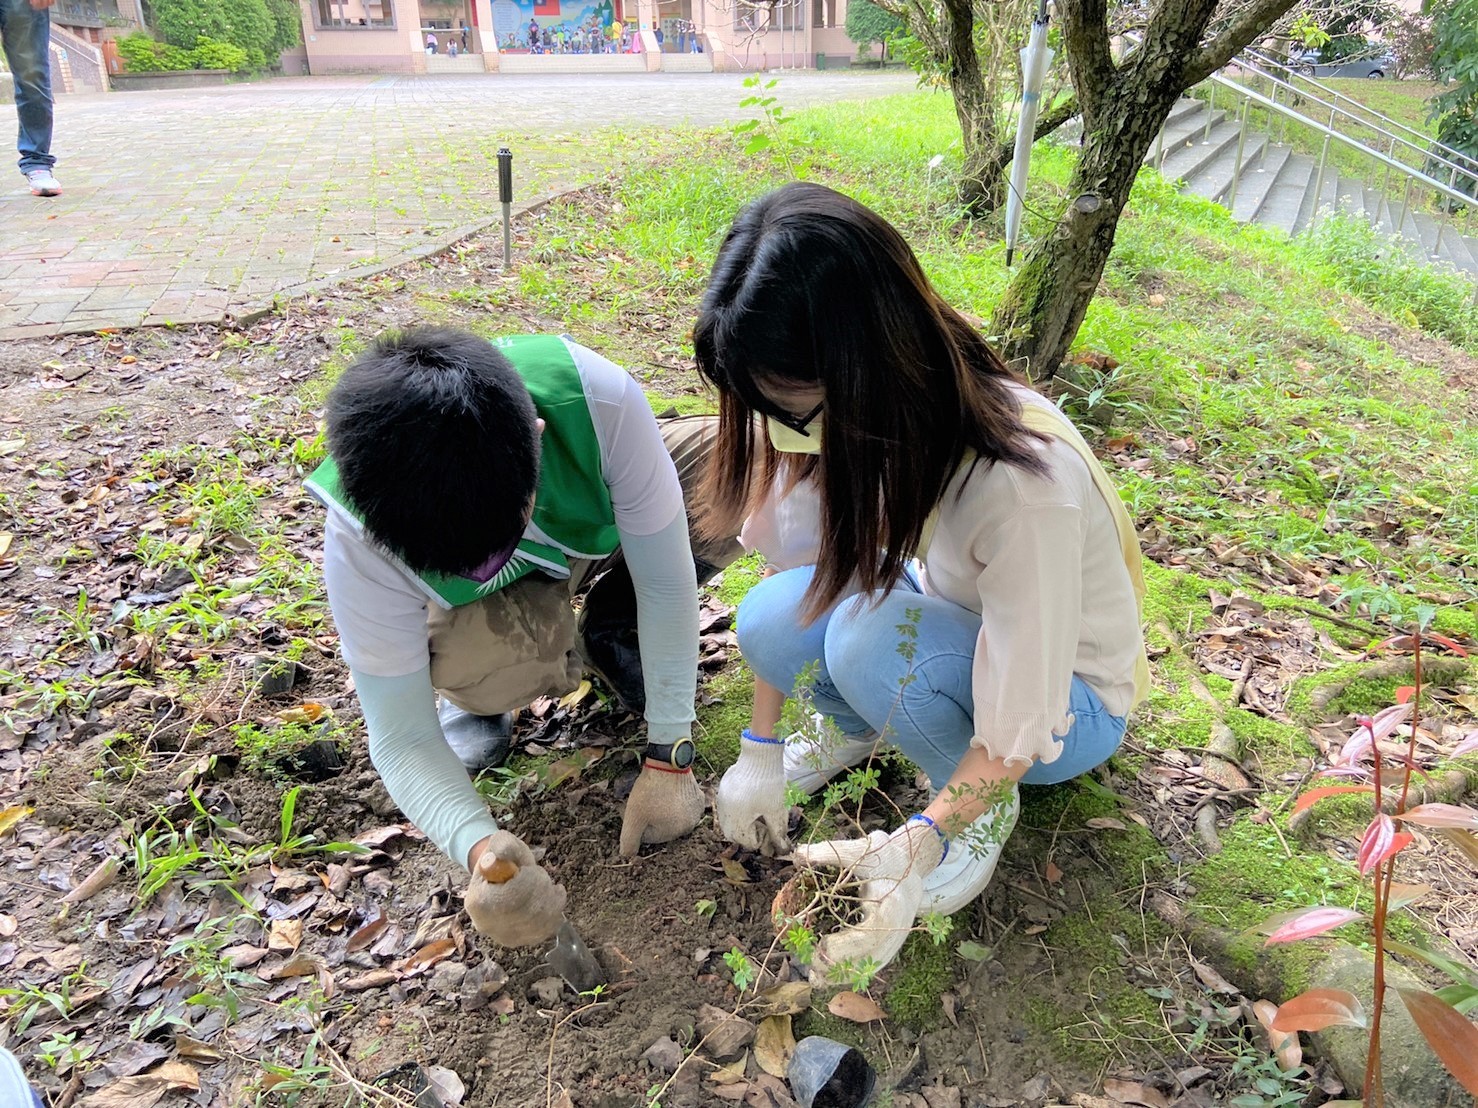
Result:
x=572 y=508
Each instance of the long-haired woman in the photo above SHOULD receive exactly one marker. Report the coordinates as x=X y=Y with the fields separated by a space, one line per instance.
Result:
x=976 y=597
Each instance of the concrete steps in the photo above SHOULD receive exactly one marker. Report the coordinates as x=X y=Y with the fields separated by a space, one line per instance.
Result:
x=1275 y=186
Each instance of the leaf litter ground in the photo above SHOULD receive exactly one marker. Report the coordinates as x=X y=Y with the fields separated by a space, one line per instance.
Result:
x=160 y=563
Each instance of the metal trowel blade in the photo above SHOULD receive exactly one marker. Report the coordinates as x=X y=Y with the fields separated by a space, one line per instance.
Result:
x=572 y=960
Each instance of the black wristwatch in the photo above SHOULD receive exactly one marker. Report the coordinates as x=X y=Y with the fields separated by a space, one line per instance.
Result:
x=679 y=755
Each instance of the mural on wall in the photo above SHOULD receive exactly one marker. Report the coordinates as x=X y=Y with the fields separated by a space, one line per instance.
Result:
x=565 y=26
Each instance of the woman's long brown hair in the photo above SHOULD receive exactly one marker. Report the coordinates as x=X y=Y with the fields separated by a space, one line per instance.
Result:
x=812 y=289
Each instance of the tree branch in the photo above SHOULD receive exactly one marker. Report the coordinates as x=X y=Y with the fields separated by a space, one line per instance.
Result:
x=1085 y=40
x=1233 y=38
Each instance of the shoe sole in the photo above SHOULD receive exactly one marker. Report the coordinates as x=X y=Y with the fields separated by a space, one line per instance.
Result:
x=46 y=192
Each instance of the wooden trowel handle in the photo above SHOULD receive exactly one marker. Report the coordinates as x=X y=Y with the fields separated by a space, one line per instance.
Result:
x=496 y=871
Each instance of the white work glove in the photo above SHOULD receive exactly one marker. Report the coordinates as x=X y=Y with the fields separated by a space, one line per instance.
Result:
x=889 y=872
x=750 y=803
x=665 y=803
x=511 y=898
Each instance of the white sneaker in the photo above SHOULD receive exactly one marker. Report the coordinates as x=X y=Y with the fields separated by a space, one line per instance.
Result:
x=42 y=183
x=810 y=763
x=971 y=861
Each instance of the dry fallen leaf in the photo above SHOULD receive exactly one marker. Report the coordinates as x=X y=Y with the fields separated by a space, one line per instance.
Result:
x=6 y=538
x=734 y=1071
x=570 y=700
x=1132 y=1092
x=9 y=817
x=1213 y=980
x=429 y=955
x=8 y=926
x=1105 y=823
x=784 y=1000
x=145 y=1090
x=735 y=872
x=194 y=1048
x=1284 y=1044
x=855 y=1007
x=285 y=935
x=95 y=882
x=774 y=1043
x=1054 y=873
x=367 y=934
x=306 y=713
x=301 y=966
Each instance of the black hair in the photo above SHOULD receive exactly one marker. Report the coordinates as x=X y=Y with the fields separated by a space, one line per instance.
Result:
x=434 y=434
x=812 y=290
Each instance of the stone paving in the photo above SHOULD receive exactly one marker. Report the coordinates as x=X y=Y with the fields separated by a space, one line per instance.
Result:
x=186 y=206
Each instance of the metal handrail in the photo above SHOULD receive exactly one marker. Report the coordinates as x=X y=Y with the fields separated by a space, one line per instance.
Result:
x=1424 y=150
x=1416 y=176
x=1387 y=123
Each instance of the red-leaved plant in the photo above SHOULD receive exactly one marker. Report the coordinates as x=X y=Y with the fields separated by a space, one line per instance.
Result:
x=1439 y=1015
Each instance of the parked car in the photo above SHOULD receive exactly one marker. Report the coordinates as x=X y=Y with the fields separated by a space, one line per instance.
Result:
x=1376 y=63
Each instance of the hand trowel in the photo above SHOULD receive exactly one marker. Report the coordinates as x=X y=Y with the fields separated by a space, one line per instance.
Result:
x=569 y=956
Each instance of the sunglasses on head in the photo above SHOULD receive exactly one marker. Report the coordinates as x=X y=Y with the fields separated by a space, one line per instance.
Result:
x=796 y=423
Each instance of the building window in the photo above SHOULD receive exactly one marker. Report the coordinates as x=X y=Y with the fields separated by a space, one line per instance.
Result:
x=760 y=16
x=334 y=14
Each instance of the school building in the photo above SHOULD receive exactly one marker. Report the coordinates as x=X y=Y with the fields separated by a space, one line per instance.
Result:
x=568 y=36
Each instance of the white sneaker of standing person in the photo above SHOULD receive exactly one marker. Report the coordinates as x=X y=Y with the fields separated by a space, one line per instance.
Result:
x=971 y=860
x=812 y=762
x=42 y=182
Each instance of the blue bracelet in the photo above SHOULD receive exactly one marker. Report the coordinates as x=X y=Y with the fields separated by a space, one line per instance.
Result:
x=757 y=739
x=942 y=836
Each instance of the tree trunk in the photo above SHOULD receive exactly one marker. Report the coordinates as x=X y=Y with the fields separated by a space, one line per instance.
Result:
x=982 y=188
x=1124 y=106
x=1041 y=311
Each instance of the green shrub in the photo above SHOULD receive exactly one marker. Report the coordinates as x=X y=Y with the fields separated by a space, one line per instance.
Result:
x=141 y=54
x=210 y=54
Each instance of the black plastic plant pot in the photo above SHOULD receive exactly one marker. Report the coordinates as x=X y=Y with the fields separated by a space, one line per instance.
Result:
x=827 y=1074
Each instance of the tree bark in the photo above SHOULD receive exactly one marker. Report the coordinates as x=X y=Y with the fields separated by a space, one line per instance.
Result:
x=981 y=185
x=1039 y=315
x=1123 y=108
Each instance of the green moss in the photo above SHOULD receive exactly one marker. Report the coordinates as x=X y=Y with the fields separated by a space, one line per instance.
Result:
x=1366 y=696
x=739 y=578
x=818 y=1021
x=923 y=972
x=1457 y=623
x=1071 y=805
x=1278 y=747
x=1253 y=878
x=1176 y=597
x=1084 y=1022
x=720 y=722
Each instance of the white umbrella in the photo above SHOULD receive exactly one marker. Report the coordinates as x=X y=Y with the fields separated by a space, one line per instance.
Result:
x=1036 y=59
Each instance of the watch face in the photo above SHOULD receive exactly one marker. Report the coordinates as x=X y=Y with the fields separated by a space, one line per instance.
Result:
x=683 y=753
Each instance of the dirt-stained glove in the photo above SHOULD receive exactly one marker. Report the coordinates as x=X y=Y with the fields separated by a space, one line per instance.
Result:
x=664 y=804
x=888 y=871
x=510 y=898
x=750 y=804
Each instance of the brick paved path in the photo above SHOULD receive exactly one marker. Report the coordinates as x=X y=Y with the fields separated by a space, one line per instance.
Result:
x=182 y=206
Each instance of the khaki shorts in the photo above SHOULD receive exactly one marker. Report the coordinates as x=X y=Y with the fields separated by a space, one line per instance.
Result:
x=518 y=644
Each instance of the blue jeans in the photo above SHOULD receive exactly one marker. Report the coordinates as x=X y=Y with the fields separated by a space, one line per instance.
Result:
x=26 y=34
x=931 y=719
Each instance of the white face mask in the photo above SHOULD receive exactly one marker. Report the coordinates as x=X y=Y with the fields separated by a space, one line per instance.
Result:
x=788 y=441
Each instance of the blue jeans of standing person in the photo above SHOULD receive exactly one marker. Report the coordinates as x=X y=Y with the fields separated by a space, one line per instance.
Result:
x=26 y=34
x=860 y=677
